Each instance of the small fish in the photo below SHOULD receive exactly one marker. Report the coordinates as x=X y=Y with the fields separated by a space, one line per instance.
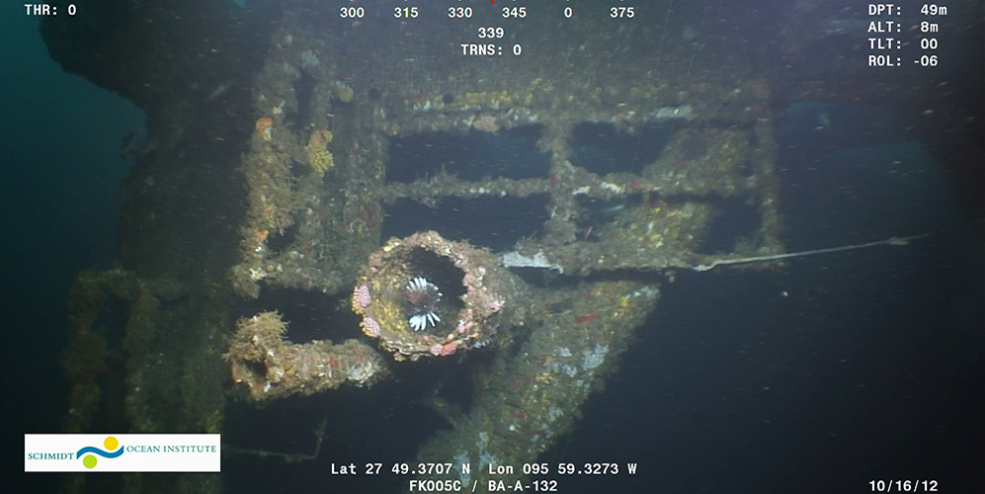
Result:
x=823 y=121
x=129 y=145
x=150 y=145
x=219 y=90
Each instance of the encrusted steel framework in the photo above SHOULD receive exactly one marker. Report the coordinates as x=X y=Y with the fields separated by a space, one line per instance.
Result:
x=315 y=213
x=327 y=98
x=326 y=224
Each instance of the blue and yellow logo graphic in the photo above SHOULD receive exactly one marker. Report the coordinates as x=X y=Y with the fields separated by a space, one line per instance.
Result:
x=88 y=453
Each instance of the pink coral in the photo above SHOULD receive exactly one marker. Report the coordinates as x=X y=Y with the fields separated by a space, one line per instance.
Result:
x=486 y=123
x=361 y=297
x=371 y=327
x=464 y=326
x=443 y=350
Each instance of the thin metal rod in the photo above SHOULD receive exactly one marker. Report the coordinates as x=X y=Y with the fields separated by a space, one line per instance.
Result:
x=774 y=257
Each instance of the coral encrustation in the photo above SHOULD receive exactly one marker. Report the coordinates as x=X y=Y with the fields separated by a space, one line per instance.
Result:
x=320 y=159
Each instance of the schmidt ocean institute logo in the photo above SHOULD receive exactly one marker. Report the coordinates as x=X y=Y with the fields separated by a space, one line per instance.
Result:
x=121 y=453
x=88 y=454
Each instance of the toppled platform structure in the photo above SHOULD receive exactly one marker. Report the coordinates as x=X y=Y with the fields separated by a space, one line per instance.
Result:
x=271 y=172
x=284 y=124
x=318 y=191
